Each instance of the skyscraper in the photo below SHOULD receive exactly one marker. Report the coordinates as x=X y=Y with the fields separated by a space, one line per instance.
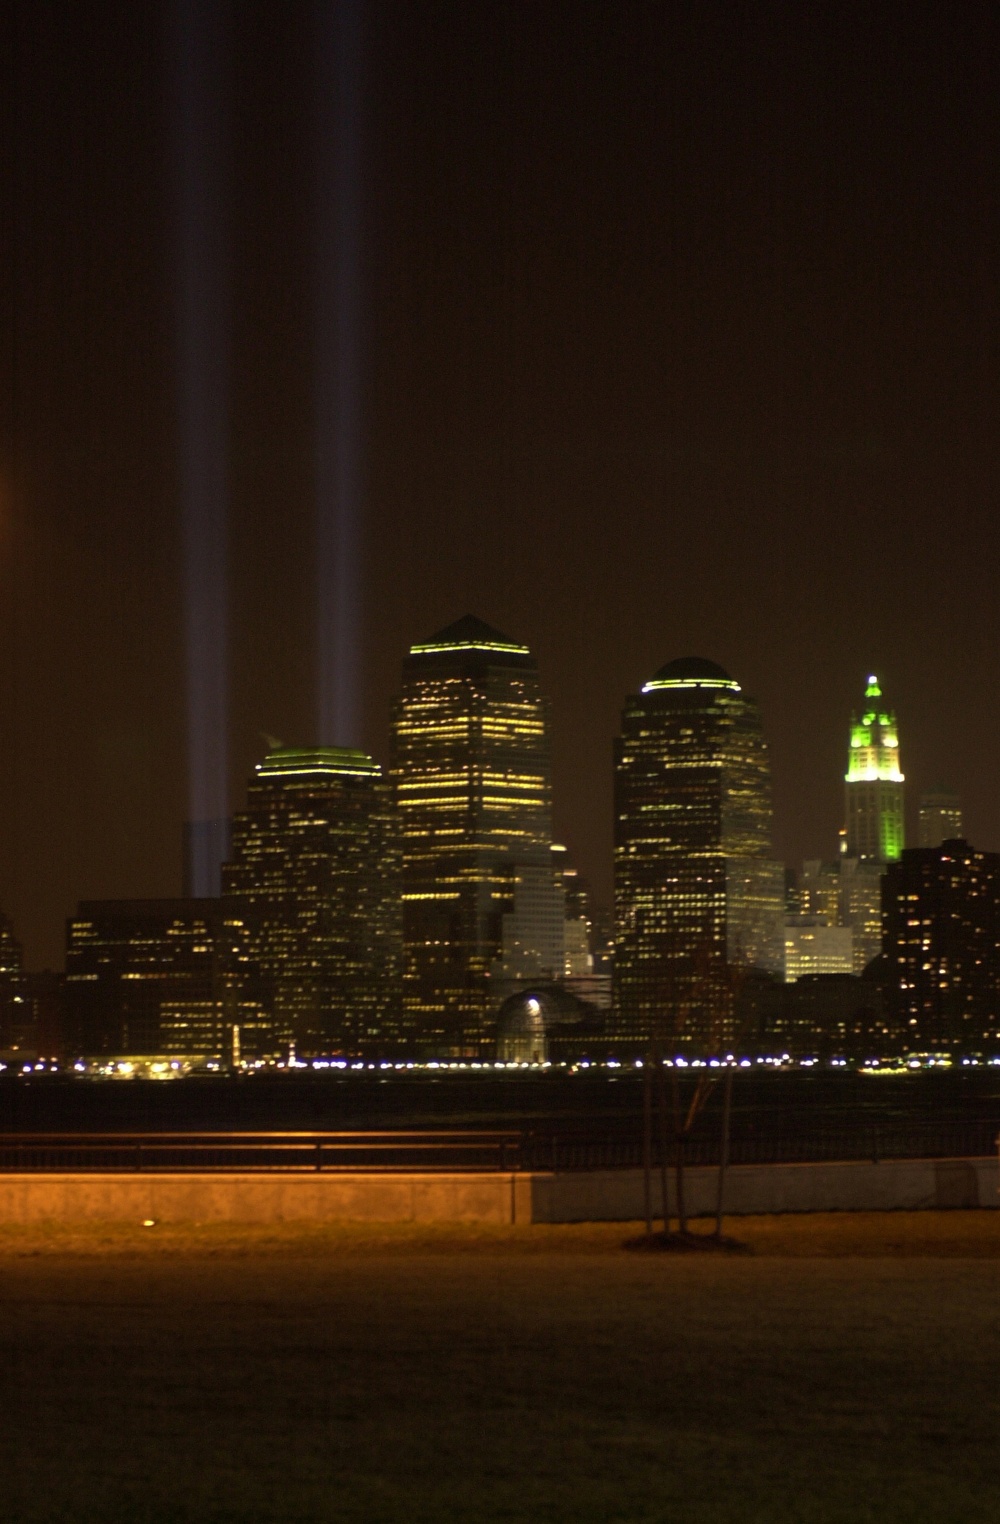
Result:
x=940 y=817
x=472 y=773
x=873 y=827
x=874 y=784
x=696 y=892
x=314 y=883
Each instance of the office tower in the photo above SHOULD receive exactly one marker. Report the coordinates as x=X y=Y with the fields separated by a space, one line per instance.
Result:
x=142 y=977
x=696 y=892
x=873 y=785
x=314 y=884
x=940 y=817
x=472 y=773
x=941 y=911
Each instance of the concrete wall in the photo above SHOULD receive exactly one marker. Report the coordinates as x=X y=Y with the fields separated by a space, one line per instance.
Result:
x=286 y=1197
x=853 y=1186
x=585 y=1196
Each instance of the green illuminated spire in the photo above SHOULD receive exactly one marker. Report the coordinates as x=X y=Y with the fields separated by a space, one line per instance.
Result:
x=874 y=781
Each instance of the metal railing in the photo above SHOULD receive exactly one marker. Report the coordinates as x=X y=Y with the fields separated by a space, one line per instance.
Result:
x=770 y=1142
x=767 y=1141
x=372 y=1151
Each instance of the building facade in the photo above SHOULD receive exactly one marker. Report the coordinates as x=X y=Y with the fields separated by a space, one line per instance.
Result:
x=698 y=899
x=941 y=912
x=143 y=977
x=313 y=891
x=471 y=768
x=813 y=946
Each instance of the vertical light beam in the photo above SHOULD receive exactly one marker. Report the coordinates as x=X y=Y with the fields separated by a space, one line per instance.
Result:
x=199 y=123
x=338 y=385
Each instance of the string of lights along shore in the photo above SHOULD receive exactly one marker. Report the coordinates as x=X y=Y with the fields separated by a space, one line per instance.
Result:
x=422 y=910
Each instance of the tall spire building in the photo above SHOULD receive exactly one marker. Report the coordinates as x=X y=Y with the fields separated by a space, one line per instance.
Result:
x=696 y=890
x=874 y=783
x=472 y=773
x=873 y=826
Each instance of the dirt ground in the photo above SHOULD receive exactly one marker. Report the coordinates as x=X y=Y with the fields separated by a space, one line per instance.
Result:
x=845 y=1371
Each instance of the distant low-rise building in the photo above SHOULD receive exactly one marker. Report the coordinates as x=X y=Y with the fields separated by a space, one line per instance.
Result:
x=812 y=946
x=828 y=1015
x=940 y=817
x=143 y=977
x=16 y=1026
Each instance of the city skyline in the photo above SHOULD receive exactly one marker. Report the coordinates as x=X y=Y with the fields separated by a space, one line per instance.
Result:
x=427 y=911
x=268 y=743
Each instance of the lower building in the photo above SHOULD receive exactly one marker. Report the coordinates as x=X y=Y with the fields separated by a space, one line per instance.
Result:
x=829 y=1015
x=940 y=817
x=847 y=894
x=818 y=891
x=532 y=931
x=137 y=971
x=812 y=946
x=755 y=903
x=941 y=910
x=861 y=906
x=16 y=1036
x=546 y=1023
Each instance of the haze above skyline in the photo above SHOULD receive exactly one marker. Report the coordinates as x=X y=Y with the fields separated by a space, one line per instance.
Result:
x=678 y=336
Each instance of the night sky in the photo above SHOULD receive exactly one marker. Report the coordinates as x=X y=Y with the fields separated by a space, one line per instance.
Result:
x=678 y=335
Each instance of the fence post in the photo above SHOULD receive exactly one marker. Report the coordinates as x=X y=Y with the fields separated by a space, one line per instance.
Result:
x=319 y=1153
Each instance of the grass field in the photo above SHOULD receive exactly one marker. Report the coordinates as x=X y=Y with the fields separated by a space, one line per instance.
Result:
x=845 y=1371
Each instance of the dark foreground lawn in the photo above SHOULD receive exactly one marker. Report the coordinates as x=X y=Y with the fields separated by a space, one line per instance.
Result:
x=846 y=1371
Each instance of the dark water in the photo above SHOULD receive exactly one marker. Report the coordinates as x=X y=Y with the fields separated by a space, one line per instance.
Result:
x=594 y=1105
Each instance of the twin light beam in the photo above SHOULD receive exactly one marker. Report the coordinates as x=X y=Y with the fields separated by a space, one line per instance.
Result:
x=201 y=129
